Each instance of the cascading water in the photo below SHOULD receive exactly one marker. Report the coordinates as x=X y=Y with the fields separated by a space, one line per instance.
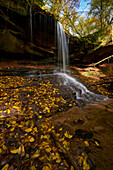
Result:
x=83 y=95
x=31 y=24
x=63 y=57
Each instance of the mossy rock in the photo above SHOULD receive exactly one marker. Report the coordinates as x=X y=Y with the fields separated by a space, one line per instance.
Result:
x=18 y=6
x=10 y=43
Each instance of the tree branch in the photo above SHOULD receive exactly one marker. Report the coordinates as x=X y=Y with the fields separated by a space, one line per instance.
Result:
x=94 y=64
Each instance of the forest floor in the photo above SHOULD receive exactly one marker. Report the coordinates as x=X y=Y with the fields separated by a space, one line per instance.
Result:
x=41 y=125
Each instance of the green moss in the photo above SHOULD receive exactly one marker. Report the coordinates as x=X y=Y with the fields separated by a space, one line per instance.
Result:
x=20 y=8
x=8 y=42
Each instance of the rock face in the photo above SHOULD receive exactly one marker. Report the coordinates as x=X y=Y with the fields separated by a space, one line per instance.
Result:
x=83 y=51
x=22 y=36
x=31 y=34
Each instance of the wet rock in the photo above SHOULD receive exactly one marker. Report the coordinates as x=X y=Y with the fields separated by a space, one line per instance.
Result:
x=92 y=160
x=79 y=133
x=110 y=110
x=98 y=128
x=90 y=117
x=15 y=36
x=79 y=121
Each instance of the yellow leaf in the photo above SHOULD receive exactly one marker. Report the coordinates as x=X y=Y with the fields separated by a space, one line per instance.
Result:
x=15 y=107
x=32 y=124
x=42 y=158
x=27 y=155
x=13 y=122
x=33 y=168
x=35 y=129
x=21 y=150
x=60 y=129
x=86 y=143
x=48 y=149
x=46 y=168
x=58 y=160
x=72 y=168
x=2 y=116
x=58 y=134
x=31 y=139
x=20 y=126
x=62 y=139
x=4 y=98
x=12 y=129
x=8 y=111
x=49 y=130
x=85 y=165
x=53 y=156
x=96 y=143
x=28 y=130
x=37 y=153
x=40 y=116
x=68 y=135
x=0 y=150
x=8 y=125
x=65 y=142
x=5 y=167
x=81 y=160
x=4 y=147
x=14 y=151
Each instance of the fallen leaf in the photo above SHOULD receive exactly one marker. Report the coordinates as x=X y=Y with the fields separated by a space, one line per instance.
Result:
x=28 y=130
x=58 y=160
x=33 y=168
x=31 y=139
x=47 y=167
x=96 y=143
x=0 y=150
x=14 y=151
x=48 y=149
x=40 y=116
x=37 y=153
x=21 y=150
x=5 y=167
x=8 y=111
x=72 y=168
x=86 y=143
x=68 y=135
x=12 y=129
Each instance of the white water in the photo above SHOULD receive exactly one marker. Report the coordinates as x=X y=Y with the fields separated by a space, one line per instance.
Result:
x=82 y=93
x=31 y=24
x=63 y=56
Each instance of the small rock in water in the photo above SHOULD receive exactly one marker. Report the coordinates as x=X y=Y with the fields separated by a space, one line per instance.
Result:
x=79 y=121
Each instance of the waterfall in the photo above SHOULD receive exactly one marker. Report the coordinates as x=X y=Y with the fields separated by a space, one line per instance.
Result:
x=62 y=46
x=83 y=95
x=31 y=24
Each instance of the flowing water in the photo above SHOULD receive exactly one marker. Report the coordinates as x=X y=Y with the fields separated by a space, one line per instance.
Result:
x=31 y=24
x=83 y=95
x=63 y=56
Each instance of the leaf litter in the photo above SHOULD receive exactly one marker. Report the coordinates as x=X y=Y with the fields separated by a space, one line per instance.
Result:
x=26 y=108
